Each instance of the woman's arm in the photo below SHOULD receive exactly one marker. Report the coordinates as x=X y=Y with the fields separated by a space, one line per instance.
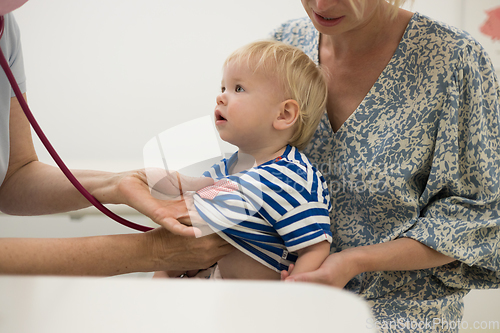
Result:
x=110 y=255
x=397 y=255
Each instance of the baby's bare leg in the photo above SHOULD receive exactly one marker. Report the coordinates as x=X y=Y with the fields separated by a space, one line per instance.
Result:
x=238 y=265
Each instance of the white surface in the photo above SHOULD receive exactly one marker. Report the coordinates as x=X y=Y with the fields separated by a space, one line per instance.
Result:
x=61 y=305
x=83 y=223
x=482 y=308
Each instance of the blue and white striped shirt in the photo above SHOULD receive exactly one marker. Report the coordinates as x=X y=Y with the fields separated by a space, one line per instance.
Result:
x=270 y=211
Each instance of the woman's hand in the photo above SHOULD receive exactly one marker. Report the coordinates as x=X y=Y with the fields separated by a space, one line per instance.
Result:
x=335 y=271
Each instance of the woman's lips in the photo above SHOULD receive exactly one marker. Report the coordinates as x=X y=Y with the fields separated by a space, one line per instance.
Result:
x=328 y=21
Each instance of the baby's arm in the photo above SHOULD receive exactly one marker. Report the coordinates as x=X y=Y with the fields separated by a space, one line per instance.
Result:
x=311 y=257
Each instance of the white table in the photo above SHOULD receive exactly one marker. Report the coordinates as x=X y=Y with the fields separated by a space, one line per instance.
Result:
x=58 y=304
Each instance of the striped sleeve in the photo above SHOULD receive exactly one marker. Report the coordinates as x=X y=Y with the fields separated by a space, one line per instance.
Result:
x=306 y=220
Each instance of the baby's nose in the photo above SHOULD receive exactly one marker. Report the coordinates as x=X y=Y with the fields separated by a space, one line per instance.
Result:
x=220 y=99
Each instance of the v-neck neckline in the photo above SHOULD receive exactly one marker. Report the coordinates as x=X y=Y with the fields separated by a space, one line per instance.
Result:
x=361 y=107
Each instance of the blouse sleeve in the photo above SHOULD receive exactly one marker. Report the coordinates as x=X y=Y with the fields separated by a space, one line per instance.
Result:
x=461 y=201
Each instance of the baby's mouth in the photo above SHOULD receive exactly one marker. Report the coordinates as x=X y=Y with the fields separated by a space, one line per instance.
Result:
x=218 y=116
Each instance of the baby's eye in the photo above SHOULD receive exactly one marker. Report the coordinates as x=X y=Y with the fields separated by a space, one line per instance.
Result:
x=222 y=89
x=239 y=88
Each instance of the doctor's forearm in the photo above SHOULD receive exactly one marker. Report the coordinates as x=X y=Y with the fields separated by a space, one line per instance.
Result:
x=99 y=256
x=156 y=250
x=37 y=189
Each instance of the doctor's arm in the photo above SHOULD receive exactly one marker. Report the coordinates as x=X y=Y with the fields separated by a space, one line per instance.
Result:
x=109 y=255
x=34 y=188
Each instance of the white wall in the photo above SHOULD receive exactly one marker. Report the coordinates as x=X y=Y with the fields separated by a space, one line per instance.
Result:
x=449 y=11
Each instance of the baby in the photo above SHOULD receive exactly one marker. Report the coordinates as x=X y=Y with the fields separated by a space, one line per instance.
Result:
x=268 y=201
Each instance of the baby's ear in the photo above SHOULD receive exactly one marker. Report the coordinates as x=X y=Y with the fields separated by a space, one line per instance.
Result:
x=288 y=114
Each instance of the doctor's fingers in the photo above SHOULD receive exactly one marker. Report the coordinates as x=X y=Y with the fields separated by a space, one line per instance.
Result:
x=163 y=212
x=173 y=183
x=208 y=249
x=183 y=254
x=194 y=183
x=173 y=215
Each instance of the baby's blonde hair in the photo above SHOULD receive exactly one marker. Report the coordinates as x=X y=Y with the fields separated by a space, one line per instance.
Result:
x=300 y=78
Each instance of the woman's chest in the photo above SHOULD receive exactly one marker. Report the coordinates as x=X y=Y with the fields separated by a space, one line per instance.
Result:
x=348 y=85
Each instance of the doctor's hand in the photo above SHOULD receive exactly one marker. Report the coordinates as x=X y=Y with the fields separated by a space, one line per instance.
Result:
x=166 y=208
x=177 y=253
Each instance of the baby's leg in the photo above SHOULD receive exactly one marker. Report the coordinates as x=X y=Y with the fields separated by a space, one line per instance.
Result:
x=237 y=265
x=199 y=274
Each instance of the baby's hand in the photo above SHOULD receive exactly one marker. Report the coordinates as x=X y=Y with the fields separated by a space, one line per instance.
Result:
x=285 y=274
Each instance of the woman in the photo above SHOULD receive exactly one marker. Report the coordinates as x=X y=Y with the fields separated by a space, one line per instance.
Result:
x=29 y=187
x=410 y=147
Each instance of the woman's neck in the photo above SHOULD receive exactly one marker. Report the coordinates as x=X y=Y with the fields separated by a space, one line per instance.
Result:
x=378 y=30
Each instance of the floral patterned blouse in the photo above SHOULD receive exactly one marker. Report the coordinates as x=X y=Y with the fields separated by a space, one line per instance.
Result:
x=419 y=158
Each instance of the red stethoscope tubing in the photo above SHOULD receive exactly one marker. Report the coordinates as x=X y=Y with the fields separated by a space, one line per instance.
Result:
x=51 y=150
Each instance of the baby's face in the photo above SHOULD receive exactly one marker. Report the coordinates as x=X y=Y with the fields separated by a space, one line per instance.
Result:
x=248 y=104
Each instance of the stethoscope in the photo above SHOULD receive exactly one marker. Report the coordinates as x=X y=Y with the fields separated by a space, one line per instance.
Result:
x=51 y=150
